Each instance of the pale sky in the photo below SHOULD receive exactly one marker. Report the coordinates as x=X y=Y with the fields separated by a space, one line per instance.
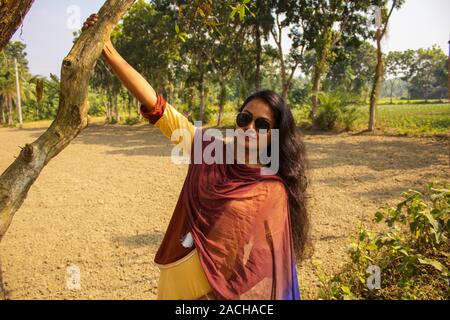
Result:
x=47 y=29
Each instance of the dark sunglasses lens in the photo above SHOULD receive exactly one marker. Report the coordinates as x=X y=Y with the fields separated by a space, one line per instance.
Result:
x=243 y=119
x=262 y=124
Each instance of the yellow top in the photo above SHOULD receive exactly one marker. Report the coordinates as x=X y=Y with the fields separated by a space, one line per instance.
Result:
x=177 y=128
x=183 y=279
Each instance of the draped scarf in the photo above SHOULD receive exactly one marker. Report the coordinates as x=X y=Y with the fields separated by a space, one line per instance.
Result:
x=240 y=225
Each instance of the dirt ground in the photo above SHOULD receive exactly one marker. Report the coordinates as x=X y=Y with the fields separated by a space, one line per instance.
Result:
x=104 y=203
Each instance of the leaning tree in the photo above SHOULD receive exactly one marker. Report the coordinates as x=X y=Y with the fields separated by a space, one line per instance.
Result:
x=71 y=118
x=12 y=13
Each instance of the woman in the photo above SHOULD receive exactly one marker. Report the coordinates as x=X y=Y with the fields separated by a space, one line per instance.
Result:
x=235 y=233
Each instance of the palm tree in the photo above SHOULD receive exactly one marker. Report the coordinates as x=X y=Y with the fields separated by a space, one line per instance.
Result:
x=7 y=94
x=39 y=92
x=104 y=81
x=8 y=91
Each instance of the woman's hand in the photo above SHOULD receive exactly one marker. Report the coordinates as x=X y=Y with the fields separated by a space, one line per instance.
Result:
x=90 y=21
x=133 y=81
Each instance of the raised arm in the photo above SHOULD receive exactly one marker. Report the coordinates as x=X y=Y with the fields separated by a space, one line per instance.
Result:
x=153 y=105
x=131 y=79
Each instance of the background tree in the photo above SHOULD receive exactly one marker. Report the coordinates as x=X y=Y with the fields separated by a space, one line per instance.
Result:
x=393 y=69
x=39 y=84
x=352 y=70
x=259 y=24
x=8 y=91
x=102 y=81
x=407 y=67
x=385 y=11
x=224 y=64
x=327 y=25
x=429 y=74
x=289 y=64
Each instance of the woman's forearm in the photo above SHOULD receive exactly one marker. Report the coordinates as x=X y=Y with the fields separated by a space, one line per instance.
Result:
x=132 y=80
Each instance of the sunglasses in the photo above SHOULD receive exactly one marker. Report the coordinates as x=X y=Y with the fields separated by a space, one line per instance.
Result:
x=243 y=119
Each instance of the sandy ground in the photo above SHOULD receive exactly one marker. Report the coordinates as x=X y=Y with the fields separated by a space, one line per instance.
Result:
x=104 y=203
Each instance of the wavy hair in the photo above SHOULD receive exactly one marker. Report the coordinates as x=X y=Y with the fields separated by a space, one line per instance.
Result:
x=292 y=167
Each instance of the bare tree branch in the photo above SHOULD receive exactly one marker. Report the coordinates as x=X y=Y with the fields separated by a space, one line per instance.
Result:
x=12 y=13
x=71 y=117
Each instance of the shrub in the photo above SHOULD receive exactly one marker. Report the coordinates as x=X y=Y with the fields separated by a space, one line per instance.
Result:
x=328 y=111
x=337 y=110
x=131 y=121
x=298 y=95
x=208 y=113
x=413 y=256
x=111 y=121
x=301 y=114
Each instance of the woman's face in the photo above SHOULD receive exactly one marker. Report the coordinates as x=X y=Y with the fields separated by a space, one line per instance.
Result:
x=258 y=109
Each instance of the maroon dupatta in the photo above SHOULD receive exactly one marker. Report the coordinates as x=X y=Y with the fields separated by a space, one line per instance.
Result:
x=240 y=225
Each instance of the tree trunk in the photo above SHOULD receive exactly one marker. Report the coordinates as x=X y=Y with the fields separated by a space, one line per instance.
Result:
x=138 y=108
x=19 y=115
x=71 y=116
x=116 y=107
x=108 y=119
x=10 y=112
x=190 y=100
x=315 y=91
x=222 y=99
x=18 y=97
x=392 y=90
x=284 y=87
x=285 y=90
x=169 y=92
x=237 y=93
x=2 y=112
x=379 y=71
x=130 y=102
x=277 y=36
x=409 y=91
x=202 y=99
x=108 y=108
x=258 y=57
x=320 y=69
x=448 y=75
x=220 y=115
x=376 y=84
x=12 y=13
x=2 y=288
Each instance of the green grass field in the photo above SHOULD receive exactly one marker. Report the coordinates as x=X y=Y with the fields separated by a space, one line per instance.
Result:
x=402 y=119
x=387 y=101
x=405 y=119
x=414 y=120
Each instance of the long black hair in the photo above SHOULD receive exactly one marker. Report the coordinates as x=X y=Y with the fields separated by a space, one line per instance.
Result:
x=292 y=167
